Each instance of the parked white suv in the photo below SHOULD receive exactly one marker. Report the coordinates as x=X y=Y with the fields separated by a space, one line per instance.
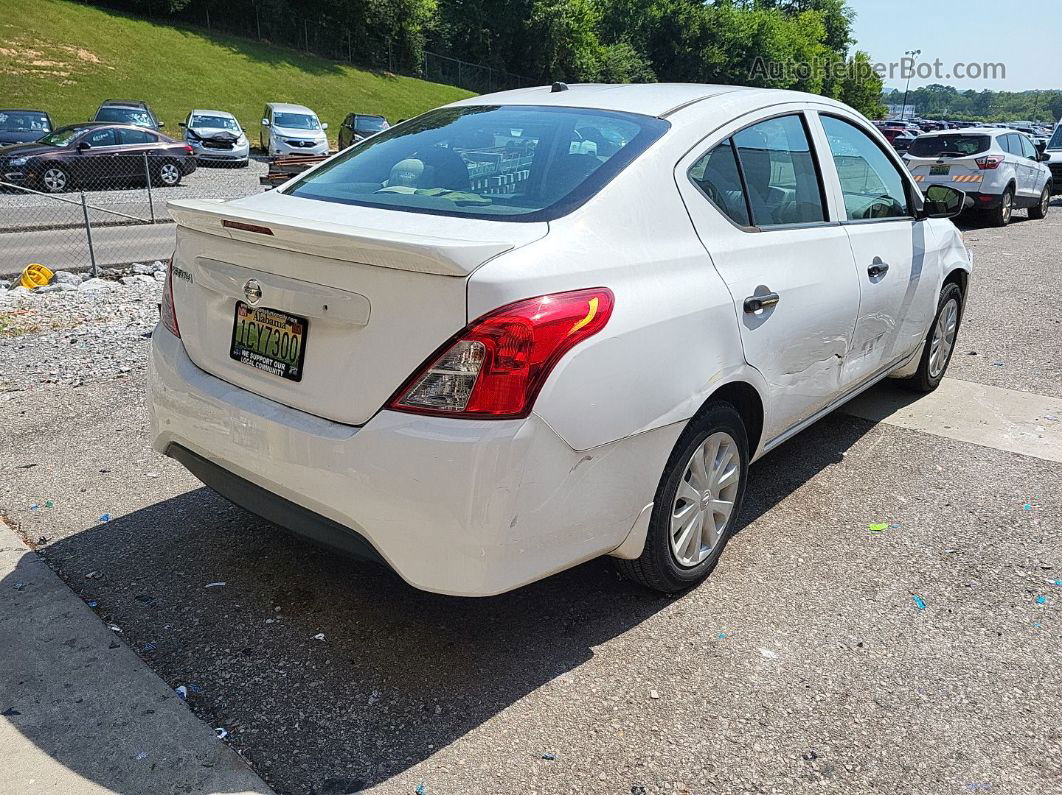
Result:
x=998 y=167
x=481 y=354
x=1054 y=153
x=292 y=130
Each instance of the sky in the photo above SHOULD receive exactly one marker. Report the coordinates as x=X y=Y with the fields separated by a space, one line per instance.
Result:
x=1023 y=36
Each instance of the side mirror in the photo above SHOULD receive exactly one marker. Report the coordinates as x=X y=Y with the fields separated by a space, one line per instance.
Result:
x=1043 y=156
x=162 y=124
x=324 y=126
x=84 y=146
x=265 y=122
x=942 y=201
x=181 y=124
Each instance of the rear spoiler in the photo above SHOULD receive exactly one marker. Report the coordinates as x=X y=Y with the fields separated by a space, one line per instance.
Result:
x=418 y=253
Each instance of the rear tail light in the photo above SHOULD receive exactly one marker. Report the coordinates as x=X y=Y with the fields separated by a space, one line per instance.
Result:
x=497 y=365
x=167 y=312
x=989 y=162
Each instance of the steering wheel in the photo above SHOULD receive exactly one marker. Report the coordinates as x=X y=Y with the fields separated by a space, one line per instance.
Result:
x=881 y=207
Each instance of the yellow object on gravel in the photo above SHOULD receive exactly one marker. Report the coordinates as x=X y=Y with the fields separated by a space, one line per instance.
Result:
x=35 y=275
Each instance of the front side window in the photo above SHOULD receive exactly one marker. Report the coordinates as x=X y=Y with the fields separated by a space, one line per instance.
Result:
x=781 y=182
x=523 y=163
x=296 y=121
x=716 y=174
x=103 y=137
x=62 y=136
x=870 y=182
x=1027 y=148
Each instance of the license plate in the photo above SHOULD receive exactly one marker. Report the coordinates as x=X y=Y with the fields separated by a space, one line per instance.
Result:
x=938 y=170
x=268 y=340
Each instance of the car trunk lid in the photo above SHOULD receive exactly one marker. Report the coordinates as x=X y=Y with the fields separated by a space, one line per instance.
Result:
x=366 y=292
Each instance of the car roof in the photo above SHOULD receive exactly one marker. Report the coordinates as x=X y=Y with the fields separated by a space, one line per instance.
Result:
x=287 y=107
x=128 y=103
x=976 y=131
x=202 y=112
x=648 y=99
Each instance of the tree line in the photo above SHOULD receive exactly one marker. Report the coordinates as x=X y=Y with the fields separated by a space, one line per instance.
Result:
x=797 y=44
x=938 y=101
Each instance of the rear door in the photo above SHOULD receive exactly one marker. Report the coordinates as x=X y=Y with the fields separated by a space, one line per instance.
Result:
x=895 y=265
x=134 y=145
x=754 y=194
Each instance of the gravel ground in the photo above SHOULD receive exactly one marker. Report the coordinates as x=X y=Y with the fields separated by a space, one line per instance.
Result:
x=803 y=664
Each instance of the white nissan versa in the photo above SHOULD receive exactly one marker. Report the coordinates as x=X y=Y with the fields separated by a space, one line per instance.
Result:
x=532 y=328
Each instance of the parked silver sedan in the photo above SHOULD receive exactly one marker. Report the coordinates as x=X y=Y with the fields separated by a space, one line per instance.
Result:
x=216 y=136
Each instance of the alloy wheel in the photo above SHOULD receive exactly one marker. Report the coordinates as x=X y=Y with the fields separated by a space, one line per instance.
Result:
x=1007 y=207
x=704 y=499
x=940 y=346
x=169 y=174
x=54 y=180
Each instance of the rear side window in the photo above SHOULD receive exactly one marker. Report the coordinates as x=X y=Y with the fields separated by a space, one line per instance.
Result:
x=130 y=137
x=1010 y=143
x=870 y=182
x=716 y=174
x=520 y=163
x=781 y=182
x=949 y=145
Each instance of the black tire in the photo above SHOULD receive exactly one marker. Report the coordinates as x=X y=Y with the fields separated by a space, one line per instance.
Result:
x=166 y=174
x=1001 y=215
x=927 y=378
x=657 y=567
x=1038 y=211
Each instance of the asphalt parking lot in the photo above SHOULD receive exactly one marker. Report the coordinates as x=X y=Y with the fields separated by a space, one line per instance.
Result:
x=805 y=663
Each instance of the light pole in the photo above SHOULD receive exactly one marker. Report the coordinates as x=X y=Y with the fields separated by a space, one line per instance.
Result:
x=913 y=54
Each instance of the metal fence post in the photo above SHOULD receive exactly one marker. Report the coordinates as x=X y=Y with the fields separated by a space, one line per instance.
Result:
x=88 y=233
x=147 y=181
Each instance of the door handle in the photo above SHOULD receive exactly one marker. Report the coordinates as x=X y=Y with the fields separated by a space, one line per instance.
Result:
x=878 y=269
x=754 y=303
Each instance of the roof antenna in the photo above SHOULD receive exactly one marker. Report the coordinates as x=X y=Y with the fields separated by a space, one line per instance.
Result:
x=558 y=87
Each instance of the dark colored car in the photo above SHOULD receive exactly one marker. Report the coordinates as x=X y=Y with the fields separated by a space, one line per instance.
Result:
x=899 y=138
x=96 y=155
x=18 y=126
x=128 y=111
x=357 y=127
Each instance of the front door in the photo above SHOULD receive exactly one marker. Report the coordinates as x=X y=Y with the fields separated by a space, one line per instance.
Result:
x=895 y=265
x=754 y=194
x=97 y=165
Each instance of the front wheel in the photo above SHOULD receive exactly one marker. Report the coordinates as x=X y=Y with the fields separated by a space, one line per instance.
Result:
x=55 y=179
x=940 y=342
x=697 y=503
x=1039 y=210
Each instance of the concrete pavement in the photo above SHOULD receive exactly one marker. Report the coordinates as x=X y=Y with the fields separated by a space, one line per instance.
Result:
x=81 y=712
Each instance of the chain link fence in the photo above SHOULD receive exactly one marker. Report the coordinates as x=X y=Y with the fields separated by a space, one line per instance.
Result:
x=96 y=209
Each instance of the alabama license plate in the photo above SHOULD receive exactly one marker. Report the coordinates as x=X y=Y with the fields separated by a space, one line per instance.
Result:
x=269 y=340
x=935 y=171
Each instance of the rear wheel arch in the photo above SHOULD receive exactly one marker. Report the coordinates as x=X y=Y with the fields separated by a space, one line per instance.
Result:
x=746 y=400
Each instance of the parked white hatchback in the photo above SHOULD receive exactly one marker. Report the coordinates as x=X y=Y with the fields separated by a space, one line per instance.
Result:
x=532 y=328
x=1000 y=168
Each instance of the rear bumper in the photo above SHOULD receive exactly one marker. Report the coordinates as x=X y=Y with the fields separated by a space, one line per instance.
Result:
x=985 y=201
x=463 y=507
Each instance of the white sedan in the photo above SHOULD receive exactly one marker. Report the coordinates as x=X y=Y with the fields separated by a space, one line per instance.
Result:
x=536 y=327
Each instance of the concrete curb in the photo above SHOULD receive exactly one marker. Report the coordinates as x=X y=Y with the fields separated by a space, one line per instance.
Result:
x=80 y=712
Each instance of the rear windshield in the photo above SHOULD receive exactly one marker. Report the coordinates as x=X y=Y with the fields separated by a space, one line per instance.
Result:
x=949 y=145
x=24 y=121
x=125 y=116
x=521 y=163
x=1056 y=139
